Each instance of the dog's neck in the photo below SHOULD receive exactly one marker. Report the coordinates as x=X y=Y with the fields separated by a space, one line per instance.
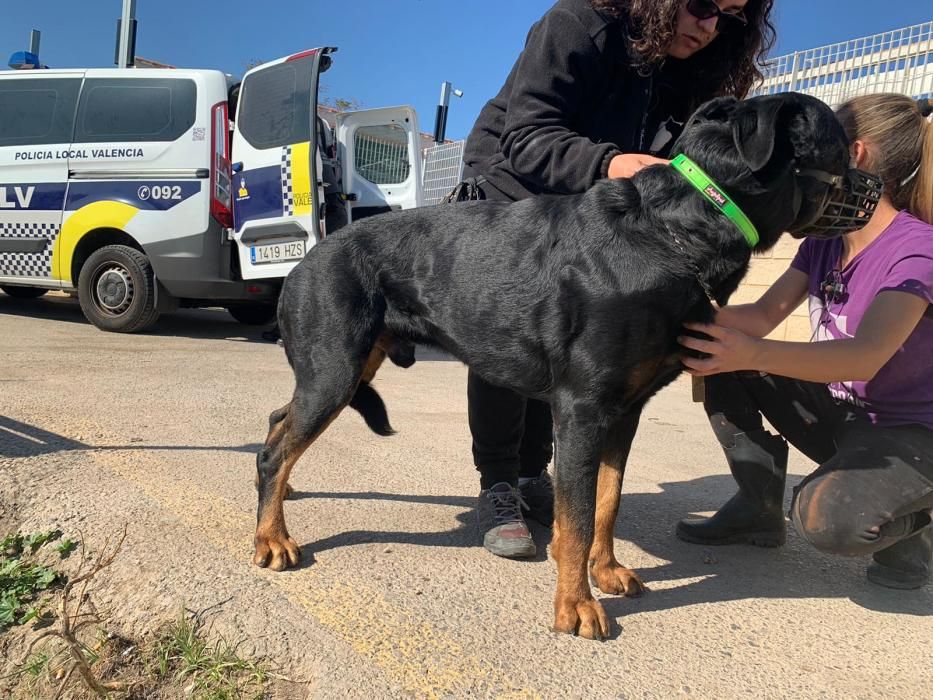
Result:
x=709 y=244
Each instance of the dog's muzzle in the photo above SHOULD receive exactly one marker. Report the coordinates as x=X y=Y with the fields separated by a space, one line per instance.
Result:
x=848 y=203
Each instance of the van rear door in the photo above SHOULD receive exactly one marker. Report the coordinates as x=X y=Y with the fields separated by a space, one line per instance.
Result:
x=380 y=151
x=276 y=181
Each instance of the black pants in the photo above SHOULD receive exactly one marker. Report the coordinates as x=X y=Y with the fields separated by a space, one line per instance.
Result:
x=512 y=436
x=871 y=479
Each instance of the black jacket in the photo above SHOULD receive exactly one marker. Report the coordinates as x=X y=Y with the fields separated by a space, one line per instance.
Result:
x=571 y=102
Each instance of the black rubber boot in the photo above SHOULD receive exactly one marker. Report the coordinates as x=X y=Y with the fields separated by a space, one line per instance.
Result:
x=754 y=515
x=905 y=564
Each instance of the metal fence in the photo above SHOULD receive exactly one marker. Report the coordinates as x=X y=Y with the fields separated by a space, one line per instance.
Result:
x=896 y=61
x=443 y=166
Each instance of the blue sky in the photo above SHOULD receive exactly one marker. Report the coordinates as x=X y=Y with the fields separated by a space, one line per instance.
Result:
x=391 y=51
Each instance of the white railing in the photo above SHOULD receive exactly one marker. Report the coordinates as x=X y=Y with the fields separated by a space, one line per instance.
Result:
x=896 y=61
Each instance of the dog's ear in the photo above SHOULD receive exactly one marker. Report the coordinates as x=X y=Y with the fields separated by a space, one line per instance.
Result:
x=718 y=109
x=754 y=128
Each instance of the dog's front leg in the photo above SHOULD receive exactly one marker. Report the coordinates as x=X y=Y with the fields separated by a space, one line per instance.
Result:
x=575 y=609
x=609 y=574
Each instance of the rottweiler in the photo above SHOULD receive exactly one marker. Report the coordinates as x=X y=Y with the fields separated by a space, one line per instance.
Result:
x=573 y=299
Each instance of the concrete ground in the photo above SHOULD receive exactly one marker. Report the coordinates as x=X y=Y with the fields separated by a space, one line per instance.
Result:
x=394 y=597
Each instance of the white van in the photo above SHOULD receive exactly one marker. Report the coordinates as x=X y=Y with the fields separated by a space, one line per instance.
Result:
x=129 y=187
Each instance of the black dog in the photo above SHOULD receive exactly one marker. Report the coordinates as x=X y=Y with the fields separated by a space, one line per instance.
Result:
x=577 y=300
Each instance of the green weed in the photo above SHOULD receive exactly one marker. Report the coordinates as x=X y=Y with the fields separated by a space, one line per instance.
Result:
x=23 y=579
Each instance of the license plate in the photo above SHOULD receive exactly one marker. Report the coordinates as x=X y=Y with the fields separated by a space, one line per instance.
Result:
x=276 y=252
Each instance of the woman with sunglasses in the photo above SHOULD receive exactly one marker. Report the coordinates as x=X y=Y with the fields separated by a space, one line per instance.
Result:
x=601 y=89
x=860 y=402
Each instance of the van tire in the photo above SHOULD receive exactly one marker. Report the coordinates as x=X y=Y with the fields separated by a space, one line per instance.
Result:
x=116 y=289
x=256 y=314
x=23 y=292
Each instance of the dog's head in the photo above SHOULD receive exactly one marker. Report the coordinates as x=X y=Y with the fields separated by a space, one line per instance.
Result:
x=785 y=160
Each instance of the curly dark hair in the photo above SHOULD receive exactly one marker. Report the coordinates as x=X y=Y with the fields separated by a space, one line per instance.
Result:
x=728 y=66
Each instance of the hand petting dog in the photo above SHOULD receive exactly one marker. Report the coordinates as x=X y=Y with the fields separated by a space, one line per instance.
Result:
x=726 y=350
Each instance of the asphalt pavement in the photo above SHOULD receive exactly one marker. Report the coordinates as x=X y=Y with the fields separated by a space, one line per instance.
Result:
x=394 y=596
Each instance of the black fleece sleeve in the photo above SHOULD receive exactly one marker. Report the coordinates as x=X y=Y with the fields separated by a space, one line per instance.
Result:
x=558 y=68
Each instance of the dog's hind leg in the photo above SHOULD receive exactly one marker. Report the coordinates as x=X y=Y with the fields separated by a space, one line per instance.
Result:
x=610 y=576
x=319 y=397
x=276 y=417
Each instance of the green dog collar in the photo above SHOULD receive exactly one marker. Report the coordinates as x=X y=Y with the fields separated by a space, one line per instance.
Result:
x=713 y=192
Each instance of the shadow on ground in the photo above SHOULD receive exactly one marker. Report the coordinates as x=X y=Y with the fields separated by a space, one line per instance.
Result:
x=18 y=439
x=701 y=574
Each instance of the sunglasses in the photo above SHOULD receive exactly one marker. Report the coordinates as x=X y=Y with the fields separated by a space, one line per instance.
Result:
x=725 y=22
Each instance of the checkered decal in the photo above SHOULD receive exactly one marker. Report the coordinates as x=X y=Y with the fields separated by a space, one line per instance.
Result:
x=28 y=264
x=288 y=197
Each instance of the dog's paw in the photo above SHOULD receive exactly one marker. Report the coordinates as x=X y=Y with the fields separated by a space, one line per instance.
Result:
x=585 y=618
x=276 y=552
x=618 y=580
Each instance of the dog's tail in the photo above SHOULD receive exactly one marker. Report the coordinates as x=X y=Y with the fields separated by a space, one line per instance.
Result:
x=370 y=405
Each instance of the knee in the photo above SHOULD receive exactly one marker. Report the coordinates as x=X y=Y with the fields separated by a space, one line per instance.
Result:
x=830 y=519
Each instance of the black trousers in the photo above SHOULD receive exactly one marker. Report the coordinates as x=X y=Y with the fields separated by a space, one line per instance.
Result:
x=512 y=436
x=871 y=480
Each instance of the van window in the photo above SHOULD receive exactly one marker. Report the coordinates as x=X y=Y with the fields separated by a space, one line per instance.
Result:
x=37 y=111
x=133 y=109
x=380 y=154
x=275 y=105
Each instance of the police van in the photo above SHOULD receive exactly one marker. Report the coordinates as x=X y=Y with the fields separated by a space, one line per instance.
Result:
x=144 y=190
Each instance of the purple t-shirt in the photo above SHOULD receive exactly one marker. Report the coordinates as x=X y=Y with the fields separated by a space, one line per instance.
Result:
x=900 y=259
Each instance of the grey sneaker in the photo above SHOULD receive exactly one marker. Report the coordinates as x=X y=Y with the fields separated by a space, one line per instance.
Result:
x=538 y=497
x=499 y=516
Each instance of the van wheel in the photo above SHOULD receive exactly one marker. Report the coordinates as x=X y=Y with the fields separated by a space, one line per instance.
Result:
x=116 y=289
x=253 y=314
x=24 y=292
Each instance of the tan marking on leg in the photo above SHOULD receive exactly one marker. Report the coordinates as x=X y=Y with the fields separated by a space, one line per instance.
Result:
x=608 y=492
x=555 y=538
x=276 y=431
x=610 y=576
x=273 y=545
x=575 y=610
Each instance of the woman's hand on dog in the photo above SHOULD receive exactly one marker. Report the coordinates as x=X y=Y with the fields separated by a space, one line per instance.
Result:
x=627 y=164
x=725 y=350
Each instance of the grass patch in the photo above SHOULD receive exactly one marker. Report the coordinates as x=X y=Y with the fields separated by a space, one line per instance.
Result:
x=211 y=670
x=178 y=662
x=72 y=654
x=23 y=579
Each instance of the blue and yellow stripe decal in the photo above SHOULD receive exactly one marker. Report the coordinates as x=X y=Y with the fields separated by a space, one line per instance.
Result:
x=274 y=191
x=89 y=205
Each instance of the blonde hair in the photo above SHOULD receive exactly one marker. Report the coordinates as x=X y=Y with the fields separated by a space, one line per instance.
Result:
x=900 y=140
